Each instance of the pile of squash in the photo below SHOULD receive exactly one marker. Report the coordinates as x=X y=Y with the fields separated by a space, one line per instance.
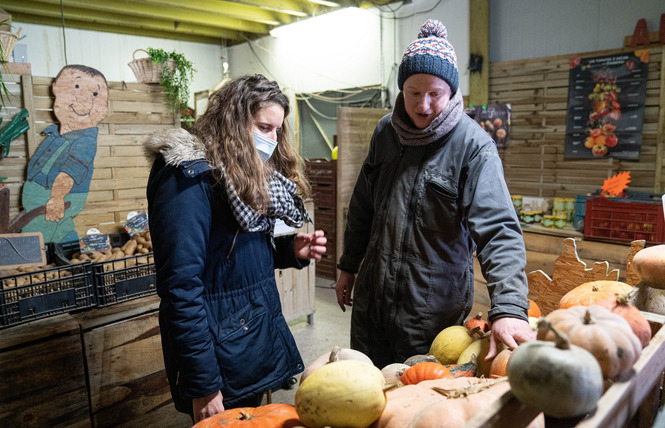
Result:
x=593 y=339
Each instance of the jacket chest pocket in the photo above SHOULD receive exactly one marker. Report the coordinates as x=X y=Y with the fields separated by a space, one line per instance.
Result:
x=438 y=205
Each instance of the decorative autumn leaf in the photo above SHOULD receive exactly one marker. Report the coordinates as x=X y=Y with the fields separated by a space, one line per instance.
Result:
x=616 y=184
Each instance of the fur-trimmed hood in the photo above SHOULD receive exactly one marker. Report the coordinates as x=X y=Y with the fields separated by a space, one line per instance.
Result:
x=176 y=145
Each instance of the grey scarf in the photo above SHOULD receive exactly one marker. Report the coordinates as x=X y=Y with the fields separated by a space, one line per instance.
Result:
x=409 y=135
x=285 y=204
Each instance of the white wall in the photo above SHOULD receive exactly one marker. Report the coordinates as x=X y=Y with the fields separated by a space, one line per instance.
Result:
x=329 y=52
x=537 y=28
x=109 y=53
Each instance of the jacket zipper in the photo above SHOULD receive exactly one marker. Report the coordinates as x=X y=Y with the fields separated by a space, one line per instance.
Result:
x=409 y=219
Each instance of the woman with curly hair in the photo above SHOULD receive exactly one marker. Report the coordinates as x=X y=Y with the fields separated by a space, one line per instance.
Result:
x=213 y=199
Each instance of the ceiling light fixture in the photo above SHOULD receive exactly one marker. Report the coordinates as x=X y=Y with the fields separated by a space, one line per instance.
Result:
x=325 y=3
x=317 y=23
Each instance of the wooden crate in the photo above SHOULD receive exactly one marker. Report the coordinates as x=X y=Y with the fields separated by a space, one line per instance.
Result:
x=126 y=376
x=635 y=399
x=43 y=375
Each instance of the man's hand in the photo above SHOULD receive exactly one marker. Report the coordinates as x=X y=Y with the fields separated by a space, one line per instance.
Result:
x=207 y=406
x=343 y=289
x=511 y=332
x=310 y=246
x=55 y=207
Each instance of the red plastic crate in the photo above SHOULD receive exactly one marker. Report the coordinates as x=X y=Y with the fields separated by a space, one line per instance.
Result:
x=624 y=221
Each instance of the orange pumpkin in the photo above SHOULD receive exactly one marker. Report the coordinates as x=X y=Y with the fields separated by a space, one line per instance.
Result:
x=477 y=321
x=591 y=292
x=268 y=416
x=620 y=305
x=534 y=310
x=430 y=371
x=499 y=366
x=606 y=335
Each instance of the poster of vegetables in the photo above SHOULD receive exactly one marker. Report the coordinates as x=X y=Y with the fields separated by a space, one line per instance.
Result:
x=606 y=98
x=494 y=119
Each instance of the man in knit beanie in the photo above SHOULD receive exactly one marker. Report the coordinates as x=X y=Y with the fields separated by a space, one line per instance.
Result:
x=430 y=194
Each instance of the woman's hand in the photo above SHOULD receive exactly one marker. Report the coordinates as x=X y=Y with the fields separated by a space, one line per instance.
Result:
x=310 y=246
x=207 y=406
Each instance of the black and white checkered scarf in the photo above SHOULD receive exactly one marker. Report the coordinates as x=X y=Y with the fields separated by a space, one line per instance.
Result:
x=285 y=204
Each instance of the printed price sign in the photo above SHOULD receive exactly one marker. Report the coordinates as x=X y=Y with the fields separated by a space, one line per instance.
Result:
x=137 y=224
x=93 y=243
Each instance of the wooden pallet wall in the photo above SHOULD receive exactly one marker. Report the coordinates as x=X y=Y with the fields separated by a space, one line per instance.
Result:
x=355 y=127
x=537 y=90
x=120 y=169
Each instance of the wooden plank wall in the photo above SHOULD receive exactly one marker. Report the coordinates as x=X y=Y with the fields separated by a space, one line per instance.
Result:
x=537 y=90
x=121 y=171
x=354 y=132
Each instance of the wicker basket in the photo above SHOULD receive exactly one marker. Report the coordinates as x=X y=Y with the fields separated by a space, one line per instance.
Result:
x=7 y=40
x=147 y=71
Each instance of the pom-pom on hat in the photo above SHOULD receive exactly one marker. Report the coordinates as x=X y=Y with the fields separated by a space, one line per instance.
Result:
x=430 y=53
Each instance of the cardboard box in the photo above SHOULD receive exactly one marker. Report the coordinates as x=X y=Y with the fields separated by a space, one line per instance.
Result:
x=7 y=18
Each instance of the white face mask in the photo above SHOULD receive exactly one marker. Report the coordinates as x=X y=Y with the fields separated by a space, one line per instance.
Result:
x=264 y=145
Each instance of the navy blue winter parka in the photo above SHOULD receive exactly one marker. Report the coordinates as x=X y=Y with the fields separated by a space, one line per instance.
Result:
x=220 y=317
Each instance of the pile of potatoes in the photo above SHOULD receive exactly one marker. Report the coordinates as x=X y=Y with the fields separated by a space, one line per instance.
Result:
x=18 y=277
x=139 y=243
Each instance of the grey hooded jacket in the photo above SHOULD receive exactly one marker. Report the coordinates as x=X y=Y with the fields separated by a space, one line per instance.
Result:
x=416 y=217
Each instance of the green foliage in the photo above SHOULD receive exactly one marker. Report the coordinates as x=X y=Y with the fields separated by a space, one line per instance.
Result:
x=176 y=82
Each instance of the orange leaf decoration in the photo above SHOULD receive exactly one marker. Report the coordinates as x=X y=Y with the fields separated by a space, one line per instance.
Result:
x=617 y=183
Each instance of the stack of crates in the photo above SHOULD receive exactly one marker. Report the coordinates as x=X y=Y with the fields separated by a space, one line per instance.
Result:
x=322 y=175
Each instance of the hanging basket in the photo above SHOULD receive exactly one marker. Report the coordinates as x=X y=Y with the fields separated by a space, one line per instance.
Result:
x=147 y=71
x=7 y=40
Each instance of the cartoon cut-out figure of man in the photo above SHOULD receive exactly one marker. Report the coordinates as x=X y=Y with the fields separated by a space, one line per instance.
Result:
x=59 y=173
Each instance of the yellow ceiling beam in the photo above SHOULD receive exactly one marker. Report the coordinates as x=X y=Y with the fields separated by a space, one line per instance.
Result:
x=140 y=8
x=29 y=7
x=117 y=29
x=227 y=8
x=292 y=7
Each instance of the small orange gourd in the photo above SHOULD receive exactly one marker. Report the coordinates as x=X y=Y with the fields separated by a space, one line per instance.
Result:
x=534 y=310
x=477 y=321
x=431 y=371
x=499 y=366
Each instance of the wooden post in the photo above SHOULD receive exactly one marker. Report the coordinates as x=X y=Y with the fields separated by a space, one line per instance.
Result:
x=660 y=133
x=29 y=104
x=479 y=45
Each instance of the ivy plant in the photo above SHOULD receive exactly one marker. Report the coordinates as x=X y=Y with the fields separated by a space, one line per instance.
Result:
x=176 y=82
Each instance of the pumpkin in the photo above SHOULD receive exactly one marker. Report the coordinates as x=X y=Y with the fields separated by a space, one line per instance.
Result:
x=590 y=292
x=344 y=393
x=442 y=403
x=606 y=335
x=477 y=321
x=534 y=310
x=429 y=371
x=451 y=342
x=336 y=354
x=268 y=416
x=621 y=305
x=650 y=265
x=499 y=365
x=393 y=372
x=560 y=379
x=477 y=351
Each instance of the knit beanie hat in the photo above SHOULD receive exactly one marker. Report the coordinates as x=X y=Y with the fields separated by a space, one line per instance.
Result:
x=431 y=54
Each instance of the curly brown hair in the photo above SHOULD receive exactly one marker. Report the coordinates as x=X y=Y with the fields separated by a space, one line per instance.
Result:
x=226 y=130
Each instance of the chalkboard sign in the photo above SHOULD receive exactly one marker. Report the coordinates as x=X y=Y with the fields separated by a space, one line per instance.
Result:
x=137 y=224
x=22 y=249
x=93 y=243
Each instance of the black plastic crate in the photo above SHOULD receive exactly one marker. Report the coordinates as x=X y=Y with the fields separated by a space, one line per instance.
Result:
x=43 y=293
x=124 y=279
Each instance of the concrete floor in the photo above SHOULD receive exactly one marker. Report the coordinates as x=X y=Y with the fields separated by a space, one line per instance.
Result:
x=330 y=327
